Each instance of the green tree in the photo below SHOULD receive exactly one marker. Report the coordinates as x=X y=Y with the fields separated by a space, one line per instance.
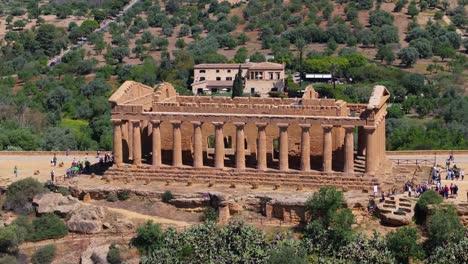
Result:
x=238 y=86
x=385 y=53
x=241 y=55
x=399 y=5
x=44 y=255
x=413 y=10
x=288 y=252
x=403 y=243
x=10 y=238
x=20 y=194
x=444 y=226
x=9 y=19
x=19 y=24
x=148 y=237
x=257 y=57
x=429 y=197
x=47 y=227
x=322 y=205
x=423 y=46
x=51 y=39
x=450 y=253
x=408 y=56
x=116 y=55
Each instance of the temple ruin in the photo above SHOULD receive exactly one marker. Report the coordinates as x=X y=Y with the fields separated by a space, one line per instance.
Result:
x=162 y=136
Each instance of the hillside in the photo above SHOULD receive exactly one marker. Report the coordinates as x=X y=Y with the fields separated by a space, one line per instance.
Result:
x=415 y=49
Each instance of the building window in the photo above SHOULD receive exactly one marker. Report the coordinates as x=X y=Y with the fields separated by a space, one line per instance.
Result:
x=202 y=78
x=229 y=70
x=218 y=78
x=202 y=71
x=252 y=91
x=228 y=78
x=217 y=71
x=278 y=75
x=271 y=75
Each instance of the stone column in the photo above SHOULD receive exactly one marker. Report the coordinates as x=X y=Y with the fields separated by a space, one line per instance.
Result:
x=124 y=128
x=197 y=144
x=370 y=150
x=327 y=148
x=305 y=147
x=261 y=147
x=130 y=139
x=240 y=148
x=176 y=144
x=219 y=145
x=283 y=147
x=156 y=135
x=117 y=141
x=136 y=142
x=349 y=149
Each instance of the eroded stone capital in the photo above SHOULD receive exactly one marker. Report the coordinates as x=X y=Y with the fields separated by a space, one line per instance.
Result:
x=261 y=125
x=370 y=128
x=305 y=126
x=135 y=122
x=348 y=128
x=283 y=125
x=239 y=125
x=196 y=123
x=155 y=122
x=176 y=123
x=116 y=122
x=218 y=125
x=327 y=128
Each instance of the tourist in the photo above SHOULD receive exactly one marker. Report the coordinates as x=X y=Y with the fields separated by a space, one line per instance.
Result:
x=451 y=156
x=376 y=190
x=462 y=174
x=52 y=176
x=55 y=160
x=451 y=188
x=15 y=171
x=446 y=191
x=455 y=191
x=409 y=190
x=68 y=152
x=98 y=152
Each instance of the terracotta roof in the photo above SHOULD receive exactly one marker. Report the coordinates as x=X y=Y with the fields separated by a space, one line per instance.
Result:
x=249 y=65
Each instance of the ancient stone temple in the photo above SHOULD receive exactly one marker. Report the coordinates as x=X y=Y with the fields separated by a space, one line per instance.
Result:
x=308 y=141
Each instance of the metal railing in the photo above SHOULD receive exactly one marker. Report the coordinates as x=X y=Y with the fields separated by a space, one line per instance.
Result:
x=428 y=162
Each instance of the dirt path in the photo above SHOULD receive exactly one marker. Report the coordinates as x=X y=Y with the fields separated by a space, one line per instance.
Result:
x=138 y=216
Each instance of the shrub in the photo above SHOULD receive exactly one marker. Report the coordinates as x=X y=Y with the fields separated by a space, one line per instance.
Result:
x=450 y=253
x=7 y=259
x=403 y=243
x=25 y=223
x=47 y=227
x=427 y=198
x=20 y=194
x=113 y=256
x=167 y=196
x=10 y=238
x=149 y=237
x=64 y=191
x=324 y=203
x=287 y=253
x=123 y=195
x=44 y=255
x=209 y=215
x=112 y=197
x=444 y=226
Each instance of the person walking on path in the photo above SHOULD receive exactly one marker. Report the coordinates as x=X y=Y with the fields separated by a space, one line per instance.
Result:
x=15 y=171
x=52 y=176
x=68 y=152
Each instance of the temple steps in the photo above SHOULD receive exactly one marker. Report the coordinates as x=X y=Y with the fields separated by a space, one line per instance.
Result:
x=248 y=177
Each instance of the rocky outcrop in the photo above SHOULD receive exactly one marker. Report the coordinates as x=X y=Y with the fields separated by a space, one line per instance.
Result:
x=87 y=220
x=94 y=219
x=396 y=210
x=47 y=203
x=95 y=254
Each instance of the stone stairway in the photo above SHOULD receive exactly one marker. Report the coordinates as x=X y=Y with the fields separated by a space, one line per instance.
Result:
x=397 y=210
x=359 y=164
x=291 y=178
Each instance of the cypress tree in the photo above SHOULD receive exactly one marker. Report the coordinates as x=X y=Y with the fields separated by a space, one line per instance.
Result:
x=237 y=86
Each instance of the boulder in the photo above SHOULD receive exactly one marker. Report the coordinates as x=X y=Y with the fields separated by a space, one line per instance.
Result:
x=95 y=254
x=391 y=219
x=47 y=203
x=87 y=219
